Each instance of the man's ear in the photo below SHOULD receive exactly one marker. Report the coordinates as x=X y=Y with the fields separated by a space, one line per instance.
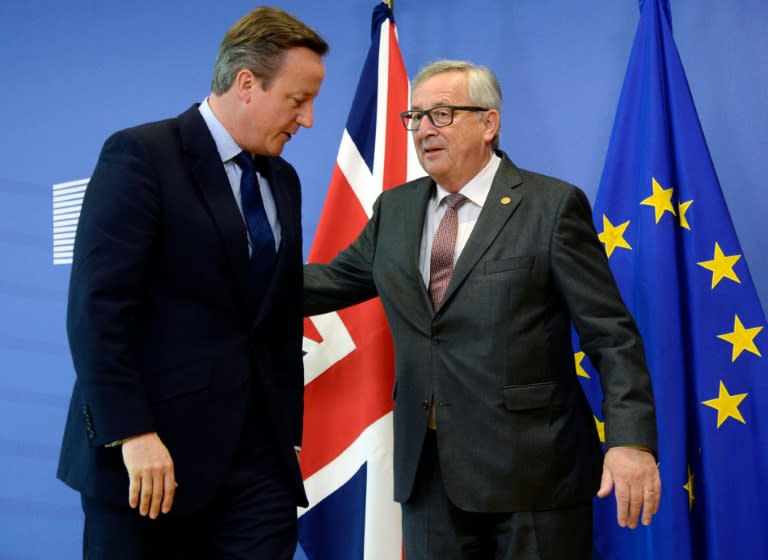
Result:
x=491 y=121
x=246 y=83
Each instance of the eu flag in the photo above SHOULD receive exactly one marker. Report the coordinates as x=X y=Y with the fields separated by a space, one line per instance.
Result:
x=662 y=217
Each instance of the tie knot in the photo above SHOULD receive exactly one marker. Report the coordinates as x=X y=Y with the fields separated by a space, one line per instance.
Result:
x=248 y=162
x=244 y=160
x=454 y=200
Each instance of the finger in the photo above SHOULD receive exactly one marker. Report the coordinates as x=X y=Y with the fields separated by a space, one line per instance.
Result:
x=651 y=502
x=650 y=506
x=658 y=494
x=134 y=488
x=635 y=503
x=158 y=483
x=146 y=493
x=622 y=504
x=606 y=484
x=170 y=491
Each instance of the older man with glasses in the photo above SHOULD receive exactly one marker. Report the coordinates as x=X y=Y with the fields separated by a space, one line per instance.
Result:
x=482 y=268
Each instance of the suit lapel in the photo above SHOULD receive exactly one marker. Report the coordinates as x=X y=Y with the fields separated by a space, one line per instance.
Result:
x=412 y=229
x=281 y=190
x=211 y=179
x=501 y=203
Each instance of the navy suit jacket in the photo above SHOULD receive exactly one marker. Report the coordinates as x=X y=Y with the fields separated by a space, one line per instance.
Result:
x=164 y=332
x=514 y=429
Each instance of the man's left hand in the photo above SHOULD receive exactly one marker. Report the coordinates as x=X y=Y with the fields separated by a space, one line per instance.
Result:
x=635 y=476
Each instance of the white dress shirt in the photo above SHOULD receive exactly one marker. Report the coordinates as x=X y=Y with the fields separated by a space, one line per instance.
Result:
x=476 y=191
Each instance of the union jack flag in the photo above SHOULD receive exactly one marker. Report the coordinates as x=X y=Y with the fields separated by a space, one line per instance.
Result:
x=346 y=455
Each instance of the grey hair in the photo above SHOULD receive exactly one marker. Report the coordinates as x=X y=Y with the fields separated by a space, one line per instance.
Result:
x=483 y=87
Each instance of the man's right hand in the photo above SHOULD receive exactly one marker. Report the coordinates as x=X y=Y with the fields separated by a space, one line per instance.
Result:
x=150 y=470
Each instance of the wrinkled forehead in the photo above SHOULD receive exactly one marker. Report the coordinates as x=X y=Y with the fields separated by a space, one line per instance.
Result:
x=445 y=88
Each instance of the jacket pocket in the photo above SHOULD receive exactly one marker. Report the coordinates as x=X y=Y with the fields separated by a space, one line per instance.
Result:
x=502 y=265
x=529 y=397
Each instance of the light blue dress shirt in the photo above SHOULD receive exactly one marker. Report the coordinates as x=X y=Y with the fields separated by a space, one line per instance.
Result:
x=228 y=149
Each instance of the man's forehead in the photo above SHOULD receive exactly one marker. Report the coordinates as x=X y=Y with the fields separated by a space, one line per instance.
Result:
x=446 y=87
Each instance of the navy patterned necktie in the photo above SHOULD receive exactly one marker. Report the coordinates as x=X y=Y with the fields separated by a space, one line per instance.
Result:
x=262 y=238
x=443 y=247
x=263 y=251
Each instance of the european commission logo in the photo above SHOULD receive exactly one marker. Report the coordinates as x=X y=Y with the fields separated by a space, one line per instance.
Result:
x=67 y=200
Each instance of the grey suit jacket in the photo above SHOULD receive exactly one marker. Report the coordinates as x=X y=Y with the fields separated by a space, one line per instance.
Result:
x=515 y=432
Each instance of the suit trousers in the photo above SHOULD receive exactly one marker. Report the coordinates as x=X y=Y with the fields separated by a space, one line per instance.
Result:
x=433 y=527
x=253 y=515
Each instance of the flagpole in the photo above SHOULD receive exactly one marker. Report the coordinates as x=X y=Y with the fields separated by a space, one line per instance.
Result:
x=391 y=5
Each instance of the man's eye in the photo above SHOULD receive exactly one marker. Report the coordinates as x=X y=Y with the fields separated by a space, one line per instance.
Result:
x=297 y=101
x=441 y=113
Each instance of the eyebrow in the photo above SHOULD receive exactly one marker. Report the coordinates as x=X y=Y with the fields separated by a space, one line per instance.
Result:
x=442 y=103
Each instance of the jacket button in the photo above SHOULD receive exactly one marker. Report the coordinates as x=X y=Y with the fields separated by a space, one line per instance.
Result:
x=91 y=434
x=425 y=405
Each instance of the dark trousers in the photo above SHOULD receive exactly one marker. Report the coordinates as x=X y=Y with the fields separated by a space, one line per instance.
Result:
x=434 y=528
x=253 y=516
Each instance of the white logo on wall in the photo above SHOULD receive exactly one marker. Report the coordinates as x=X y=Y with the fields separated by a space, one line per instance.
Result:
x=67 y=200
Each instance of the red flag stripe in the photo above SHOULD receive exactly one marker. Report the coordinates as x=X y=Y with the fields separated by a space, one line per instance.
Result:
x=340 y=222
x=397 y=100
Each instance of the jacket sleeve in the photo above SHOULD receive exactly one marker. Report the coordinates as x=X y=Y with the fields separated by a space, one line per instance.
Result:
x=607 y=332
x=112 y=246
x=348 y=279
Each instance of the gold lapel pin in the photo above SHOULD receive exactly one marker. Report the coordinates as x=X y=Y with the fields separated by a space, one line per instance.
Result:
x=505 y=200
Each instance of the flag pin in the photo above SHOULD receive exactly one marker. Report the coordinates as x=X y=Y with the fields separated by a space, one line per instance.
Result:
x=505 y=200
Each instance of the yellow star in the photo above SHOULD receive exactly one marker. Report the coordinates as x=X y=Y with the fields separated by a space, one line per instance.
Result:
x=727 y=405
x=689 y=488
x=661 y=200
x=613 y=236
x=600 y=428
x=578 y=357
x=683 y=208
x=721 y=266
x=741 y=338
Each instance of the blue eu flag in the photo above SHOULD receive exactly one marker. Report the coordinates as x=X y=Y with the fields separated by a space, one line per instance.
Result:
x=672 y=247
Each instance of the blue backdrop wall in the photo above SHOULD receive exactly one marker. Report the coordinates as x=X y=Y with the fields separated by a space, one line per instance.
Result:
x=73 y=72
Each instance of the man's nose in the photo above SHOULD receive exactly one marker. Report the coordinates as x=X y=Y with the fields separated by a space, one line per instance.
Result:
x=306 y=116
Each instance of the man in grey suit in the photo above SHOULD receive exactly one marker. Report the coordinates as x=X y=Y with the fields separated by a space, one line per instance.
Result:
x=496 y=452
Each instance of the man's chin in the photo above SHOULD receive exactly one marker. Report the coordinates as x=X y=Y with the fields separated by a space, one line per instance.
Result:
x=432 y=162
x=276 y=149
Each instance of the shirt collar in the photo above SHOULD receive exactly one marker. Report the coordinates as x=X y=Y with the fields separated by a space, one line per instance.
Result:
x=225 y=144
x=477 y=189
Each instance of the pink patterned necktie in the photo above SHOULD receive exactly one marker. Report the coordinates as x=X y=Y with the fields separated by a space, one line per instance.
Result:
x=443 y=247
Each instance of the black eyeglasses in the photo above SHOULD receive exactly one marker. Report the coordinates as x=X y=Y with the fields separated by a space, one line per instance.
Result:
x=439 y=116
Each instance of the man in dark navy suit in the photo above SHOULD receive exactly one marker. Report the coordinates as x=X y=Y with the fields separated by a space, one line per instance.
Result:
x=184 y=316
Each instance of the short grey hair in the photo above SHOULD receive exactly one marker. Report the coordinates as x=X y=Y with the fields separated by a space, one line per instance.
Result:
x=483 y=87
